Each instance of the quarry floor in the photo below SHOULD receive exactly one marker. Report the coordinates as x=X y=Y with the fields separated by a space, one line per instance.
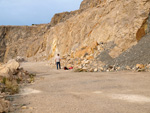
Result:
x=60 y=91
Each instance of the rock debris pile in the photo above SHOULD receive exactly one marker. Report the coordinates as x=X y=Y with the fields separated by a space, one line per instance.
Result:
x=11 y=77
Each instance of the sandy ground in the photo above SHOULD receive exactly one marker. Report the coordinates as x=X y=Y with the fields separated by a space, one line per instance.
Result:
x=60 y=91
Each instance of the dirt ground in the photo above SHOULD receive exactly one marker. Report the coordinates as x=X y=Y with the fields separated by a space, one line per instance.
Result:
x=60 y=91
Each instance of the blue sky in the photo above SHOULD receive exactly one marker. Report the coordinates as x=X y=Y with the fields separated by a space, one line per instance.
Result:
x=28 y=12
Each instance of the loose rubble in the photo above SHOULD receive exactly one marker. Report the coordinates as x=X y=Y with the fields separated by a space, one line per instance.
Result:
x=91 y=62
x=11 y=77
x=93 y=65
x=4 y=104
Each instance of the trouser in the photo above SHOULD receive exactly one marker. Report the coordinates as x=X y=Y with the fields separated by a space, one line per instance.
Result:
x=58 y=64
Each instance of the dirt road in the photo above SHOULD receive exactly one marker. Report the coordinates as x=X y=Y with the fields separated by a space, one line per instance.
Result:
x=69 y=92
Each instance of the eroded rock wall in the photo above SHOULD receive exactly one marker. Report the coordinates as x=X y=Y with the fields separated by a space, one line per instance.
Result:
x=62 y=17
x=2 y=44
x=113 y=21
x=91 y=3
x=99 y=26
x=23 y=41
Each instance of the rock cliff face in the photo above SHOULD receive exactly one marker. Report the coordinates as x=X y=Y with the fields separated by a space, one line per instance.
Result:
x=61 y=17
x=23 y=41
x=120 y=22
x=99 y=26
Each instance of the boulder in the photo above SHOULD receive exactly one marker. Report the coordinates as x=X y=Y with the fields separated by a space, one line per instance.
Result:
x=140 y=66
x=8 y=68
x=148 y=66
x=12 y=65
x=95 y=70
x=4 y=106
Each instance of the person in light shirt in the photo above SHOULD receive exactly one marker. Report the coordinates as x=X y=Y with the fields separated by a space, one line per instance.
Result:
x=57 y=60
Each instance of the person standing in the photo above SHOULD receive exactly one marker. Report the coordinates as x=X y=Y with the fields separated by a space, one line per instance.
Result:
x=57 y=60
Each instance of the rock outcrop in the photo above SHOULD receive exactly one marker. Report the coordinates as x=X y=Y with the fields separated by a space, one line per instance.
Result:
x=11 y=77
x=4 y=106
x=62 y=17
x=105 y=28
x=9 y=68
x=90 y=3
x=114 y=25
x=23 y=41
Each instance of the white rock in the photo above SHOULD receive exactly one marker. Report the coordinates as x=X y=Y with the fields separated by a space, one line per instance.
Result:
x=95 y=70
x=84 y=68
x=87 y=62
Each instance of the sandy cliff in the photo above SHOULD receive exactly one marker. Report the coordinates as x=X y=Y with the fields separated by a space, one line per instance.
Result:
x=99 y=26
x=118 y=25
x=23 y=41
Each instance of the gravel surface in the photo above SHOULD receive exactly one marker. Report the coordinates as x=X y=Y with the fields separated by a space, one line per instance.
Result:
x=138 y=54
x=59 y=91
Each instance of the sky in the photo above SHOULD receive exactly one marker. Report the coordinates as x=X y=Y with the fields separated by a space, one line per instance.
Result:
x=28 y=12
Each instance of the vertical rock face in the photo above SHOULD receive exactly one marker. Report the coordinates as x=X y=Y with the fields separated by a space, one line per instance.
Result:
x=115 y=21
x=99 y=26
x=20 y=41
x=2 y=44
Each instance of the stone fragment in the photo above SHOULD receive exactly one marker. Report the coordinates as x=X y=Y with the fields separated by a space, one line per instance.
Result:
x=91 y=70
x=101 y=68
x=84 y=68
x=90 y=57
x=95 y=70
x=20 y=59
x=128 y=68
x=87 y=62
x=24 y=107
x=100 y=48
x=31 y=108
x=148 y=66
x=140 y=66
x=4 y=106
